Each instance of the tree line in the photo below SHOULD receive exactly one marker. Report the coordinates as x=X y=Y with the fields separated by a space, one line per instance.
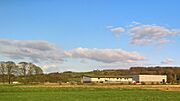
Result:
x=10 y=70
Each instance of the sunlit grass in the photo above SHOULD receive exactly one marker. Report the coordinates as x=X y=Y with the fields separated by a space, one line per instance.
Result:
x=14 y=93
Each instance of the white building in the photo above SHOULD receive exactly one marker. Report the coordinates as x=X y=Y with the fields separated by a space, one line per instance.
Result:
x=126 y=79
x=150 y=78
x=107 y=79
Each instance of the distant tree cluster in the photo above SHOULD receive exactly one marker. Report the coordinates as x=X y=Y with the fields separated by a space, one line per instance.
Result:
x=10 y=70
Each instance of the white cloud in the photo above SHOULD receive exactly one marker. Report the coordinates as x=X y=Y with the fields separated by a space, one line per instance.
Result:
x=105 y=55
x=116 y=30
x=30 y=49
x=134 y=23
x=167 y=61
x=151 y=34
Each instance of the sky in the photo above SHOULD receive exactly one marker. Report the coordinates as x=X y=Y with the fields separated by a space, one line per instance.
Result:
x=85 y=35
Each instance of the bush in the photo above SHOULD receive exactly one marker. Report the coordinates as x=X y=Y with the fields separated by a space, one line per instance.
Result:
x=143 y=83
x=60 y=83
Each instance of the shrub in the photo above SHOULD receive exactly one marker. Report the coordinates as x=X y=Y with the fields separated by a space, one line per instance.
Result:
x=60 y=83
x=129 y=83
x=143 y=83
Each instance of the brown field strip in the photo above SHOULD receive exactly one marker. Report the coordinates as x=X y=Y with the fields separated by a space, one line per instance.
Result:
x=160 y=87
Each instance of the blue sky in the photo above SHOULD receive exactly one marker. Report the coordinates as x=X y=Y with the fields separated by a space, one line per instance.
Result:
x=88 y=24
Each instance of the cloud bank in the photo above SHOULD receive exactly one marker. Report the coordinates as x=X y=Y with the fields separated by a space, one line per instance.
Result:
x=151 y=34
x=146 y=34
x=105 y=55
x=30 y=49
x=45 y=51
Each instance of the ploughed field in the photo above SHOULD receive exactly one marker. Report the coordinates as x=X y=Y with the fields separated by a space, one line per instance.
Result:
x=80 y=93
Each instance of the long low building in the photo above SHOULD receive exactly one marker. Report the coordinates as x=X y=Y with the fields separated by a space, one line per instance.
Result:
x=126 y=79
x=107 y=79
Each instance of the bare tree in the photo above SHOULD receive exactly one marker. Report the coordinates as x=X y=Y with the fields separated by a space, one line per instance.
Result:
x=3 y=70
x=35 y=69
x=28 y=69
x=24 y=68
x=10 y=65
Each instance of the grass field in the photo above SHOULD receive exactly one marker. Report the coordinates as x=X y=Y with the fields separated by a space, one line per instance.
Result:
x=22 y=93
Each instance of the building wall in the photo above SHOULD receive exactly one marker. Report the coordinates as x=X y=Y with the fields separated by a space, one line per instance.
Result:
x=104 y=79
x=111 y=79
x=136 y=78
x=86 y=79
x=150 y=78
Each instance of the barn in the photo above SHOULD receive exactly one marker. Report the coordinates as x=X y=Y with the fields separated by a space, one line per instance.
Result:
x=126 y=79
x=150 y=78
x=107 y=79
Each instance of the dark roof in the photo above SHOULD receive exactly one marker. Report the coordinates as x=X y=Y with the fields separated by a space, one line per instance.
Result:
x=105 y=76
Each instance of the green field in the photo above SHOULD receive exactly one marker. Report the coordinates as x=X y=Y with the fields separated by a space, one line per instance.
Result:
x=15 y=93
